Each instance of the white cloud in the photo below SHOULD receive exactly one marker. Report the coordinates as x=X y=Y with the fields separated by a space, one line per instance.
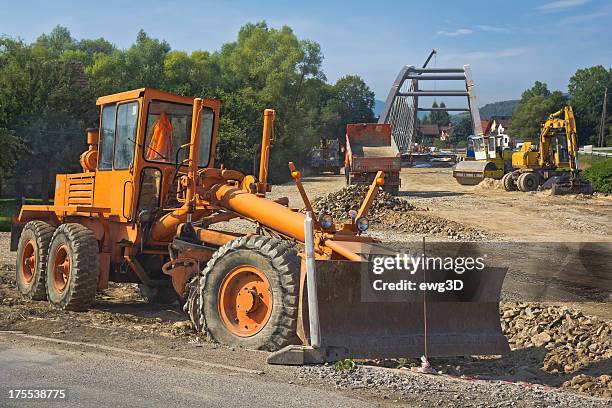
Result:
x=482 y=55
x=582 y=18
x=493 y=29
x=561 y=5
x=459 y=31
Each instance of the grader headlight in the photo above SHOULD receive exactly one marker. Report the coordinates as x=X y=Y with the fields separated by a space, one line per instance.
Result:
x=326 y=221
x=363 y=224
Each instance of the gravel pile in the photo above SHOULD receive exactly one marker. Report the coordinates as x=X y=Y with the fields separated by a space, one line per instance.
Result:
x=575 y=342
x=394 y=213
x=7 y=258
x=441 y=390
x=556 y=347
x=419 y=222
x=339 y=203
x=568 y=332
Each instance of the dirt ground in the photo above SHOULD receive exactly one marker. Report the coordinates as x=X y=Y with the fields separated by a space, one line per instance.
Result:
x=509 y=215
x=120 y=318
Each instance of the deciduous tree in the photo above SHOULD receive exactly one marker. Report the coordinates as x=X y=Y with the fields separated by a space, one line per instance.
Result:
x=536 y=104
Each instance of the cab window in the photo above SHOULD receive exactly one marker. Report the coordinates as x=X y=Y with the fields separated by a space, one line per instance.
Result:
x=169 y=127
x=107 y=138
x=127 y=123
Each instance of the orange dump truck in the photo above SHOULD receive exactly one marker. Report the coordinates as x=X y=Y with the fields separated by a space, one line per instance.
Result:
x=369 y=150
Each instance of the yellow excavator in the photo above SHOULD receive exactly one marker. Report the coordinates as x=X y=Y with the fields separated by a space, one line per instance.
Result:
x=551 y=163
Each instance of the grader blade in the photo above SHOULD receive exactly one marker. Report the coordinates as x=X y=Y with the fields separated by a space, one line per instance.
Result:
x=470 y=173
x=357 y=322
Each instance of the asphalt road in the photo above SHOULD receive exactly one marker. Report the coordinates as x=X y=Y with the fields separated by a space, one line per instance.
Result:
x=93 y=379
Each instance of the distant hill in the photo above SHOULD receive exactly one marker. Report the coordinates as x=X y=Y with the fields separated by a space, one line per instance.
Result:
x=502 y=108
x=378 y=107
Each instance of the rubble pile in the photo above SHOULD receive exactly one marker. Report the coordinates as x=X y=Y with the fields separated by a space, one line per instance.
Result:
x=576 y=339
x=576 y=343
x=393 y=213
x=339 y=203
x=422 y=223
x=551 y=345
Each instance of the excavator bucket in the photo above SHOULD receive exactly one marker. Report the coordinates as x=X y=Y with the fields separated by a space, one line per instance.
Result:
x=358 y=321
x=560 y=185
x=471 y=172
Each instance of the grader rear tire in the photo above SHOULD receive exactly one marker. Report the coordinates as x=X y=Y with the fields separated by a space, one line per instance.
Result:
x=73 y=268
x=249 y=294
x=527 y=182
x=508 y=182
x=32 y=254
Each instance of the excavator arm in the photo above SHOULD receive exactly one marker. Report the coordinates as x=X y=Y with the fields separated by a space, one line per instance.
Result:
x=564 y=120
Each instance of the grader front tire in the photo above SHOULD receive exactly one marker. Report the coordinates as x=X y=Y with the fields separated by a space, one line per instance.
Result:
x=73 y=268
x=249 y=293
x=32 y=254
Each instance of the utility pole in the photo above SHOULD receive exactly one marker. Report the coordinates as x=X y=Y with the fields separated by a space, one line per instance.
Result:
x=602 y=126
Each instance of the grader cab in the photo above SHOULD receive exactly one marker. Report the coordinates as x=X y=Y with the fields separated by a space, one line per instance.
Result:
x=142 y=210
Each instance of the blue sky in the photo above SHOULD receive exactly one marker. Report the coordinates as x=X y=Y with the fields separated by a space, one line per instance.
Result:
x=509 y=44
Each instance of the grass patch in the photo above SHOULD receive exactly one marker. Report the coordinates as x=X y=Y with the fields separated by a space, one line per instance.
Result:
x=600 y=175
x=586 y=160
x=345 y=365
x=10 y=207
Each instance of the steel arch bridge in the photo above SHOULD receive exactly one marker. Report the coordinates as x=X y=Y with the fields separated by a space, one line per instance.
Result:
x=402 y=104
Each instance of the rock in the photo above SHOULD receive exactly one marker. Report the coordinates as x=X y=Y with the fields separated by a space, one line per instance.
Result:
x=182 y=325
x=339 y=203
x=541 y=339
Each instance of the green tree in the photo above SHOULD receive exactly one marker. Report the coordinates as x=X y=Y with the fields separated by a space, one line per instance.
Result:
x=10 y=147
x=43 y=106
x=440 y=118
x=535 y=106
x=356 y=100
x=269 y=68
x=350 y=101
x=46 y=105
x=463 y=129
x=586 y=89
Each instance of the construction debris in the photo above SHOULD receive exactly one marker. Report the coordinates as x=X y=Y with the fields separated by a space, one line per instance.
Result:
x=394 y=213
x=339 y=203
x=420 y=222
x=569 y=333
x=575 y=343
x=429 y=390
x=551 y=345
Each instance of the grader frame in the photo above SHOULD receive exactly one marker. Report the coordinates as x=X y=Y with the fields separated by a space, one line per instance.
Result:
x=141 y=212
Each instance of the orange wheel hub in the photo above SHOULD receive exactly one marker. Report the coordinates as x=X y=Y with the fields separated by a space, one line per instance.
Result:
x=245 y=301
x=28 y=261
x=61 y=268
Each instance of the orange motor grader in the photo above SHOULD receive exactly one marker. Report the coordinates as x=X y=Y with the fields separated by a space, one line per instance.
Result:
x=143 y=211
